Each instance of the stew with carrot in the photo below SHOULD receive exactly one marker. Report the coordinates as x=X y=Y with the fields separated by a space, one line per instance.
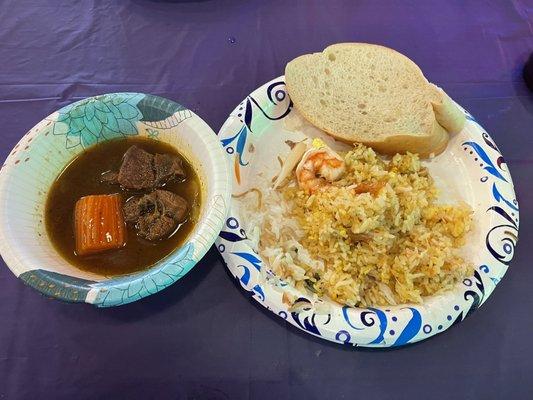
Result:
x=122 y=205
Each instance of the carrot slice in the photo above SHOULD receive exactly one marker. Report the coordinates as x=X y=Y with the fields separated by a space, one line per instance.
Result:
x=99 y=224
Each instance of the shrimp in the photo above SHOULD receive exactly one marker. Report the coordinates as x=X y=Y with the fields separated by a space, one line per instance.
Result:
x=319 y=165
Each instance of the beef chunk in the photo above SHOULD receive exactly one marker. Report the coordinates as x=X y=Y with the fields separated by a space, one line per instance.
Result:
x=136 y=171
x=142 y=170
x=156 y=215
x=110 y=177
x=167 y=167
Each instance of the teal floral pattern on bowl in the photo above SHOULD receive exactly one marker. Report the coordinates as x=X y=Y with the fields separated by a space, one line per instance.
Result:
x=47 y=148
x=99 y=118
x=110 y=116
x=134 y=287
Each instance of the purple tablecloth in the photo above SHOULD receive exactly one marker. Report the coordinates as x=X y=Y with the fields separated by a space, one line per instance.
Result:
x=202 y=338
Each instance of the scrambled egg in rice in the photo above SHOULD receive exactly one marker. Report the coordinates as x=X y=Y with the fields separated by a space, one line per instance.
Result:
x=374 y=237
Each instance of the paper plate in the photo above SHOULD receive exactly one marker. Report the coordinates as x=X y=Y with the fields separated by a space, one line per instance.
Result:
x=471 y=169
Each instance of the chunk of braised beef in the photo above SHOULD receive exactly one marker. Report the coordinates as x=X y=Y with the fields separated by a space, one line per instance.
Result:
x=136 y=171
x=167 y=167
x=142 y=170
x=157 y=214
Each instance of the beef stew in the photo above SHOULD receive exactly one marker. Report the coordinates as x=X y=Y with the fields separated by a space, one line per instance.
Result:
x=159 y=194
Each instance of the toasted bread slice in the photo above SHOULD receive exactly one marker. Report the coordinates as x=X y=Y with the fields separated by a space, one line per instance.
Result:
x=365 y=93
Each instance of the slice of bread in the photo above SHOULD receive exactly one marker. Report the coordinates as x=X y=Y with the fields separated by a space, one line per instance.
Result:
x=359 y=92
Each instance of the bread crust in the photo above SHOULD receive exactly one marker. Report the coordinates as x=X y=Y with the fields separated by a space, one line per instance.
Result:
x=442 y=115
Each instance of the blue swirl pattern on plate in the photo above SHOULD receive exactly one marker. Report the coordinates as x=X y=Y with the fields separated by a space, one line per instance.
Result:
x=375 y=326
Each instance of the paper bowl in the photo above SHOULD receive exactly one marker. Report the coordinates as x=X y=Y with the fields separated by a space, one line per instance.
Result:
x=47 y=148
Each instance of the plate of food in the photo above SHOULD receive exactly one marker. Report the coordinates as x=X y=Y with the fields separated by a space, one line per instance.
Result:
x=112 y=198
x=368 y=207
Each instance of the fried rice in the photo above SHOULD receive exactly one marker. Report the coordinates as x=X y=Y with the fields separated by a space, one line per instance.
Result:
x=376 y=237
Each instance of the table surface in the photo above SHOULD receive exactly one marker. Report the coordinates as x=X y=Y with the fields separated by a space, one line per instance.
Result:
x=203 y=338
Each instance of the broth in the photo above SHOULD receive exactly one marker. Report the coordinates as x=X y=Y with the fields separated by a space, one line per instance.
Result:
x=82 y=177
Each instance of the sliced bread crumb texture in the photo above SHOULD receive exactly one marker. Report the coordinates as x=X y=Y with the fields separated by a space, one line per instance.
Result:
x=365 y=93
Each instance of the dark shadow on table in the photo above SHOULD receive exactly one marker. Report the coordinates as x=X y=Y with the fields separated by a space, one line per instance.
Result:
x=525 y=99
x=177 y=11
x=214 y=3
x=173 y=1
x=523 y=93
x=286 y=325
